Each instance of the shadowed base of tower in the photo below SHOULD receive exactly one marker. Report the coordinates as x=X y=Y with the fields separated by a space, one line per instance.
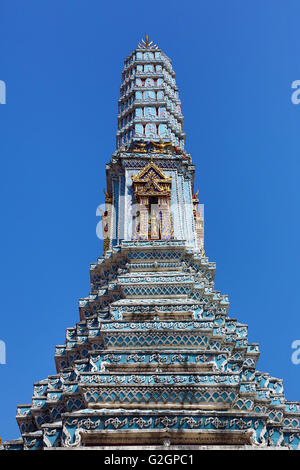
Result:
x=166 y=438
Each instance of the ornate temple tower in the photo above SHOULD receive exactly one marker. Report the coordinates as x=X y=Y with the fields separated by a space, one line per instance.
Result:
x=150 y=177
x=155 y=359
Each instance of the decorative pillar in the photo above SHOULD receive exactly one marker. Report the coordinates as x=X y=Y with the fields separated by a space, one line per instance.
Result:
x=106 y=223
x=199 y=223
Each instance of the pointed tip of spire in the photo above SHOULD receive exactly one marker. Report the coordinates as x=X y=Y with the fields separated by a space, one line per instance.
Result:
x=146 y=44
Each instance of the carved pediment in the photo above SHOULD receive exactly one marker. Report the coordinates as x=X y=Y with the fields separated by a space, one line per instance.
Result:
x=151 y=181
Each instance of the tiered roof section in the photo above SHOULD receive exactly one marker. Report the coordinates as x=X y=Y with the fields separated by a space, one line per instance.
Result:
x=149 y=105
x=155 y=353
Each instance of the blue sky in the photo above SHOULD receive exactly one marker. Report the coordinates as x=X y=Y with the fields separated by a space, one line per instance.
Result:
x=61 y=61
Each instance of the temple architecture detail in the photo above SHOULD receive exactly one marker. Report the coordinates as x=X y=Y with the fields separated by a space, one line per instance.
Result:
x=152 y=193
x=155 y=359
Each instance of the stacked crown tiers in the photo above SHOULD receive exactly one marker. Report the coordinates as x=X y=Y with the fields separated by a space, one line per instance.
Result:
x=155 y=360
x=149 y=105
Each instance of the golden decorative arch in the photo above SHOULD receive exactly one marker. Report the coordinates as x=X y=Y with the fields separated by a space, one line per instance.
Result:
x=152 y=193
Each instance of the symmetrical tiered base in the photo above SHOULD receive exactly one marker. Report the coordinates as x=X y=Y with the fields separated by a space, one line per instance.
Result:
x=156 y=361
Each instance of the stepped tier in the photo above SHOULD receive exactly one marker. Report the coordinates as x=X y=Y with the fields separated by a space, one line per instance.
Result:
x=169 y=365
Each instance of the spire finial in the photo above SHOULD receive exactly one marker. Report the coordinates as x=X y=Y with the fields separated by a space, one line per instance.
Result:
x=146 y=44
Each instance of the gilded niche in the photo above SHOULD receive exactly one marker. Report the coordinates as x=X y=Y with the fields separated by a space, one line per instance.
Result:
x=152 y=195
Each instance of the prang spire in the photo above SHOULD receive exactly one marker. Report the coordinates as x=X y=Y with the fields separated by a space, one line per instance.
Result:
x=149 y=104
x=155 y=361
